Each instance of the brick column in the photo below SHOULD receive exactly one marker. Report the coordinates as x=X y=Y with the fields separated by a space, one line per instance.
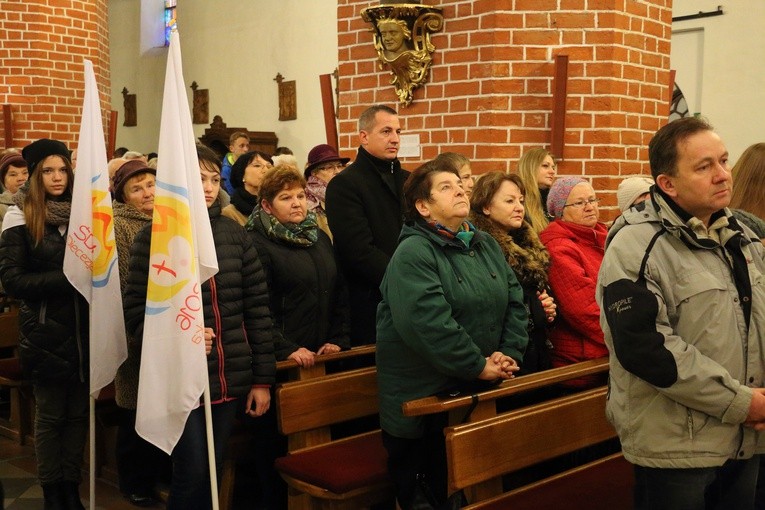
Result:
x=490 y=90
x=42 y=47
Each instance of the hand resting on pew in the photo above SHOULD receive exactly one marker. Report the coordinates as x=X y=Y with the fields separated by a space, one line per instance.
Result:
x=306 y=357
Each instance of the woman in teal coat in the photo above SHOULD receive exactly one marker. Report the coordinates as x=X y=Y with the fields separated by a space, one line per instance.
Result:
x=452 y=314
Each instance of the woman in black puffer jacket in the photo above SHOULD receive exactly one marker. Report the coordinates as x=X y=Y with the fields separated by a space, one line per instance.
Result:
x=53 y=319
x=303 y=282
x=241 y=360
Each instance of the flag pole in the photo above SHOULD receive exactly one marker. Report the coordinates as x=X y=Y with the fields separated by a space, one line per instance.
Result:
x=211 y=446
x=92 y=474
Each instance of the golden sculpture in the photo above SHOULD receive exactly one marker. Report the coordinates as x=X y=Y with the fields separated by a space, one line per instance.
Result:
x=401 y=34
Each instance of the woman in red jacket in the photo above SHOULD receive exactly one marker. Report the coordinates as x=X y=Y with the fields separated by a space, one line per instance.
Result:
x=575 y=240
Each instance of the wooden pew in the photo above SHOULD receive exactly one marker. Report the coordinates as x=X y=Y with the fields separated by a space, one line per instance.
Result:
x=19 y=424
x=349 y=473
x=468 y=408
x=290 y=370
x=487 y=449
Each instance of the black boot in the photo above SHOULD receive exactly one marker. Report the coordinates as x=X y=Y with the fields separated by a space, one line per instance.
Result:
x=71 y=492
x=54 y=496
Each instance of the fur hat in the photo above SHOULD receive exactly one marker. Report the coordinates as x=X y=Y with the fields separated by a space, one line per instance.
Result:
x=631 y=188
x=123 y=174
x=559 y=192
x=322 y=154
x=10 y=159
x=41 y=149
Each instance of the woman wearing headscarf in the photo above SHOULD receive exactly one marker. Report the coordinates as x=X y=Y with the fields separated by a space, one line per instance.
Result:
x=452 y=314
x=53 y=319
x=575 y=240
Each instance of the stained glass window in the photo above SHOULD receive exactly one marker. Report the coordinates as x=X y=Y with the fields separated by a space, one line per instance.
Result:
x=170 y=19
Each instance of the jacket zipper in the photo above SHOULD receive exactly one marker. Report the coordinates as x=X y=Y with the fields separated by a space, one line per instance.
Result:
x=690 y=423
x=219 y=340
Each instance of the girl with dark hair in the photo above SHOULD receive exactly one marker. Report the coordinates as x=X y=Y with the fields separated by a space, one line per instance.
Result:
x=53 y=318
x=238 y=337
x=246 y=175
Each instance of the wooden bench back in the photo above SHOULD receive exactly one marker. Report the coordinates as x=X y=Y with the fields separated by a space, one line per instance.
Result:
x=9 y=322
x=477 y=452
x=324 y=401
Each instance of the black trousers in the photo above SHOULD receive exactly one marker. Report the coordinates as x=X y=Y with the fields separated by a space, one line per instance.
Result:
x=418 y=466
x=139 y=463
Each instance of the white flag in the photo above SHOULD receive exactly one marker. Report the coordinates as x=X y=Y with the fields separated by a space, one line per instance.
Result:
x=182 y=255
x=90 y=261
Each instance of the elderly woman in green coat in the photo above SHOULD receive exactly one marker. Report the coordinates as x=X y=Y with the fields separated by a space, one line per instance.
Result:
x=452 y=314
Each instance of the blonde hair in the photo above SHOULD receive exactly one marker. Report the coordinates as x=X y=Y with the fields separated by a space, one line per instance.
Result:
x=528 y=166
x=749 y=181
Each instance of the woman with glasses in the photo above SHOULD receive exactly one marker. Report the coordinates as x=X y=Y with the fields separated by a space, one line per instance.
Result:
x=323 y=164
x=575 y=240
x=246 y=175
x=451 y=316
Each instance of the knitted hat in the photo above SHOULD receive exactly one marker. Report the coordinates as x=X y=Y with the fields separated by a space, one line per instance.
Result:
x=10 y=159
x=631 y=188
x=41 y=149
x=123 y=174
x=322 y=154
x=559 y=192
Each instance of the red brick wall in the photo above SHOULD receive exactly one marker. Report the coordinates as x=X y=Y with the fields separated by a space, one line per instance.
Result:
x=42 y=47
x=490 y=90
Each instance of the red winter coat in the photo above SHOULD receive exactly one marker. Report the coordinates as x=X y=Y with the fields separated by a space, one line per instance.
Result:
x=575 y=256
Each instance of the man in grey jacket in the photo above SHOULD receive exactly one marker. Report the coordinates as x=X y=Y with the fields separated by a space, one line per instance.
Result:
x=682 y=298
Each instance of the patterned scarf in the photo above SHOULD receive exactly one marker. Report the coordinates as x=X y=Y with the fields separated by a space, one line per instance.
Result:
x=303 y=234
x=57 y=211
x=465 y=233
x=315 y=191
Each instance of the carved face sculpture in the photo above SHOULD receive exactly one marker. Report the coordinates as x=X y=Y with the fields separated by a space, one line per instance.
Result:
x=393 y=38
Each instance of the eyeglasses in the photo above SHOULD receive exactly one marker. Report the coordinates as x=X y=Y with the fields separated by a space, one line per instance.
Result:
x=331 y=166
x=579 y=204
x=260 y=165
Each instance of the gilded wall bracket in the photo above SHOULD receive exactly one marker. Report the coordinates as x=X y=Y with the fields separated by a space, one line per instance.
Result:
x=401 y=34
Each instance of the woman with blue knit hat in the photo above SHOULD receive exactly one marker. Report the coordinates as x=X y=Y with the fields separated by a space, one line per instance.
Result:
x=575 y=240
x=53 y=318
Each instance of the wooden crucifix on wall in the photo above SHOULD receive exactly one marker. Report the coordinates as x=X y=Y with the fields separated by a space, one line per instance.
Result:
x=201 y=103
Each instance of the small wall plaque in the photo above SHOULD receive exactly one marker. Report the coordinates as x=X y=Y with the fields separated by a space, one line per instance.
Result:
x=201 y=113
x=287 y=98
x=129 y=102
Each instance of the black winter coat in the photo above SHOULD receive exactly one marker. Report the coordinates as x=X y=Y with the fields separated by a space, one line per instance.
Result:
x=365 y=214
x=307 y=294
x=53 y=316
x=235 y=307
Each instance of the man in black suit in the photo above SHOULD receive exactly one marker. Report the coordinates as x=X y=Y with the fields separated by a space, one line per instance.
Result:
x=364 y=209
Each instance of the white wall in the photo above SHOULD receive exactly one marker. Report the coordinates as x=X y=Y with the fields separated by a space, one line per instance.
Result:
x=233 y=48
x=728 y=84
